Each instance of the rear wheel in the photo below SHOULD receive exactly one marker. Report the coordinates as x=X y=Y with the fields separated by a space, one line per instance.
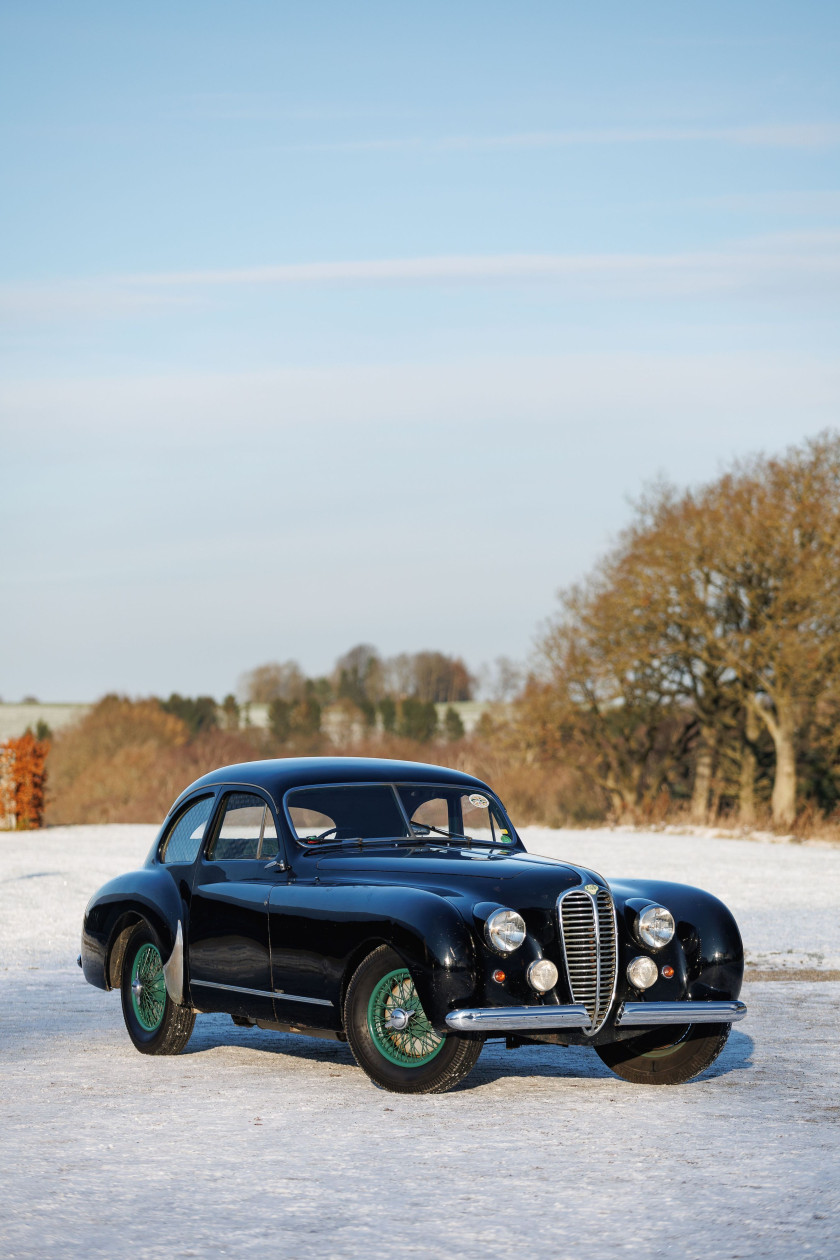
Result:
x=155 y=1024
x=666 y=1056
x=391 y=1037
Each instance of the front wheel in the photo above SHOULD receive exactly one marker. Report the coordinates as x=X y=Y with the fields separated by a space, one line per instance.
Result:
x=155 y=1024
x=390 y=1036
x=666 y=1056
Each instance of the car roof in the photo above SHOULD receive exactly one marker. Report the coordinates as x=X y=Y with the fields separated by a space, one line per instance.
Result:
x=276 y=775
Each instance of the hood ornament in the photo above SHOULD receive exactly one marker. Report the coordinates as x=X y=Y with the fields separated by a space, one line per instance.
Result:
x=591 y=888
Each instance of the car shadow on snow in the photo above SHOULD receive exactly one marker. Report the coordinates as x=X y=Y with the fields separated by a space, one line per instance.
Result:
x=496 y=1063
x=736 y=1056
x=213 y=1032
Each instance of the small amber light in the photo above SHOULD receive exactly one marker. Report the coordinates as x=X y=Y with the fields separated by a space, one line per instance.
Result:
x=668 y=973
x=499 y=977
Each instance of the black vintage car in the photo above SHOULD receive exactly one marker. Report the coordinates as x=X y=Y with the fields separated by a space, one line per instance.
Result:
x=393 y=905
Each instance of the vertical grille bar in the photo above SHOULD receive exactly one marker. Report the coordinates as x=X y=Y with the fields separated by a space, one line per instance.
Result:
x=588 y=933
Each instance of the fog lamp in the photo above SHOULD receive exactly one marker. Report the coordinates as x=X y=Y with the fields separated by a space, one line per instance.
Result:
x=655 y=926
x=505 y=930
x=642 y=973
x=542 y=975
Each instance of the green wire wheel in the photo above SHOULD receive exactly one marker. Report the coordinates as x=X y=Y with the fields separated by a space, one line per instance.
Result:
x=391 y=1036
x=148 y=987
x=155 y=1023
x=397 y=1023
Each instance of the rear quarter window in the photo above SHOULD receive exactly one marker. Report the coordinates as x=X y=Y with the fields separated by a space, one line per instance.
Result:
x=183 y=839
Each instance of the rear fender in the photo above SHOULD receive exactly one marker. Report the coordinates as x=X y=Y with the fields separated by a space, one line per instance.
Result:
x=148 y=895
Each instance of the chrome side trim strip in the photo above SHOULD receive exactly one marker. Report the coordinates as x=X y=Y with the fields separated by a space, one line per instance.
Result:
x=173 y=969
x=517 y=1018
x=649 y=1014
x=269 y=993
x=292 y=997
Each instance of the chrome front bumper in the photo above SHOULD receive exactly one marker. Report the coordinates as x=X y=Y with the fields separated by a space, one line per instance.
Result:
x=651 y=1014
x=517 y=1018
x=511 y=1019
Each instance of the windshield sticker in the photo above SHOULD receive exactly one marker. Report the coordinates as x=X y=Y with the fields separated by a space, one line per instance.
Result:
x=479 y=801
x=504 y=838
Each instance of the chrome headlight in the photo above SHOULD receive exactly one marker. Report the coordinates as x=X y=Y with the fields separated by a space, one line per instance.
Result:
x=542 y=975
x=505 y=931
x=655 y=927
x=642 y=973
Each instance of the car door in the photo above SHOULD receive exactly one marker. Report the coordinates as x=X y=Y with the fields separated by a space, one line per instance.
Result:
x=230 y=956
x=309 y=938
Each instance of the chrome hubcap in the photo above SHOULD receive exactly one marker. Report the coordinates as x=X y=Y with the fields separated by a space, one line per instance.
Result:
x=397 y=1019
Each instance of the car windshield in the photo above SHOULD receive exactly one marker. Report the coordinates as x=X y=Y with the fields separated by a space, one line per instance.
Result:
x=436 y=814
x=455 y=813
x=330 y=814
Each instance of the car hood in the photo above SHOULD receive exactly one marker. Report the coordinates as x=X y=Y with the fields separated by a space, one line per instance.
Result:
x=519 y=876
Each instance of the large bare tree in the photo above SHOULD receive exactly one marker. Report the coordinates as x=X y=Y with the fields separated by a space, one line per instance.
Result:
x=777 y=583
x=722 y=605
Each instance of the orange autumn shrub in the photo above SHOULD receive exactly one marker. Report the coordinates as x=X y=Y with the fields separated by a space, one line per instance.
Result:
x=23 y=780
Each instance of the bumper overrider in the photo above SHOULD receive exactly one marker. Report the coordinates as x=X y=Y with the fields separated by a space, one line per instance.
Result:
x=511 y=1019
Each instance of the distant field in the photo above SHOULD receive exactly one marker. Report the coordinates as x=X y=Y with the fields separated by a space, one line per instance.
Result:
x=15 y=718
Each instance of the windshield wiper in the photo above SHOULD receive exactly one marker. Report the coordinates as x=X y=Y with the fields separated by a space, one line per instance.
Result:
x=449 y=835
x=312 y=842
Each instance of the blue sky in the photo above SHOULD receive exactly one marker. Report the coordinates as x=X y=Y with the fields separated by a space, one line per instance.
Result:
x=326 y=323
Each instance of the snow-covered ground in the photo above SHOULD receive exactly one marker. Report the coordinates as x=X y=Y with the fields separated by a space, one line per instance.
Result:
x=252 y=1143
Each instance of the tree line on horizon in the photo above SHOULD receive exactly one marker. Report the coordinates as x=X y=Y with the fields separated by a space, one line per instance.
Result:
x=364 y=692
x=695 y=673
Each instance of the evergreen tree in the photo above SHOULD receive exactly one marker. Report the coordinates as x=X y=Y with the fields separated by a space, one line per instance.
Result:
x=452 y=725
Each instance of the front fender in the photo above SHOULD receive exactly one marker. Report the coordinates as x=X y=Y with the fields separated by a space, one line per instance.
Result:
x=438 y=948
x=149 y=894
x=707 y=952
x=327 y=929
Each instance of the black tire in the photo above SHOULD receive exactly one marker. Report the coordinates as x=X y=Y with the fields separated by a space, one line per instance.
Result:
x=442 y=1068
x=168 y=1033
x=666 y=1056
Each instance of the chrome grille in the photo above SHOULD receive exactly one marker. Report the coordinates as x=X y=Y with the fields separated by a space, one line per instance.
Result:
x=588 y=931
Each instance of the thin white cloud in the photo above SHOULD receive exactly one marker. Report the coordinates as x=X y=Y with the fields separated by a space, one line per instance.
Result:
x=779 y=252
x=779 y=135
x=715 y=389
x=805 y=264
x=815 y=202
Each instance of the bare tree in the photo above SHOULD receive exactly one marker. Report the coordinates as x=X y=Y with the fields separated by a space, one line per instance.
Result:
x=274 y=681
x=778 y=577
x=604 y=701
x=722 y=606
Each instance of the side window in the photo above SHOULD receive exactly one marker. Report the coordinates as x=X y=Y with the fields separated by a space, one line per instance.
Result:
x=187 y=832
x=247 y=830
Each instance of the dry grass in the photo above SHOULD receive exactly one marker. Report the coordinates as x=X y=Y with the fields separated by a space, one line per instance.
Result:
x=126 y=761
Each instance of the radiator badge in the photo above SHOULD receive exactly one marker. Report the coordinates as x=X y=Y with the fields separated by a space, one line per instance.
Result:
x=591 y=888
